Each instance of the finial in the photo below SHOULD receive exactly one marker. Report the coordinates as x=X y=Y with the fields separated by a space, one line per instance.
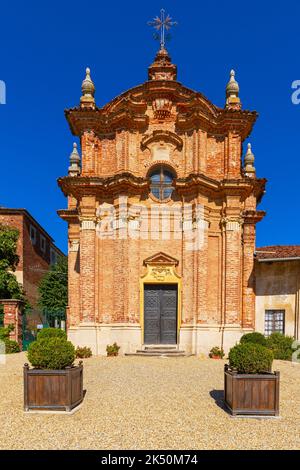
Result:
x=249 y=168
x=88 y=90
x=232 y=92
x=162 y=24
x=74 y=168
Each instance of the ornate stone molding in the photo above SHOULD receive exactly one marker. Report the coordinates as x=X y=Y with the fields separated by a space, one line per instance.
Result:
x=87 y=225
x=232 y=225
x=73 y=246
x=164 y=136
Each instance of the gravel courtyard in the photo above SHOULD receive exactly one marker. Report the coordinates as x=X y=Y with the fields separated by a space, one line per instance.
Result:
x=148 y=403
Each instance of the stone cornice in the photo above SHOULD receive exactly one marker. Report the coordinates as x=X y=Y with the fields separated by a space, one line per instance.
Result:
x=252 y=216
x=128 y=111
x=79 y=186
x=238 y=121
x=84 y=185
x=69 y=215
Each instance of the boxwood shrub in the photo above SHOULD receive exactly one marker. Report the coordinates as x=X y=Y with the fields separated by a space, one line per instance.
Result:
x=51 y=353
x=281 y=346
x=250 y=358
x=51 y=333
x=255 y=337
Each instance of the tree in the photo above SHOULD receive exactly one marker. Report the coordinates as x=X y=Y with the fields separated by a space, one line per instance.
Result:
x=53 y=290
x=9 y=286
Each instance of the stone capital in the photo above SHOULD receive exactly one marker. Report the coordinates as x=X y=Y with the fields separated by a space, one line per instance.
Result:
x=73 y=246
x=87 y=224
x=232 y=224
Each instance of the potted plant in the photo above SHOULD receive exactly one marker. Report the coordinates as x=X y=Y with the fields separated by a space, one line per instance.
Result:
x=83 y=352
x=250 y=387
x=216 y=353
x=112 y=349
x=54 y=383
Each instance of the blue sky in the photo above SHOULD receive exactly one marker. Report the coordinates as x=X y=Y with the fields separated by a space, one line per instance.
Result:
x=45 y=47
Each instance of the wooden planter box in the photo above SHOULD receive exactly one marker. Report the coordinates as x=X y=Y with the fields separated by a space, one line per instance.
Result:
x=251 y=394
x=53 y=390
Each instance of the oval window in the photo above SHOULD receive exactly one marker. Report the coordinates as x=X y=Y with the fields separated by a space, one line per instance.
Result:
x=161 y=183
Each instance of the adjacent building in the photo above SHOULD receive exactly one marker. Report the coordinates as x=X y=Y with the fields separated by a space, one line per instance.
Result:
x=36 y=251
x=278 y=290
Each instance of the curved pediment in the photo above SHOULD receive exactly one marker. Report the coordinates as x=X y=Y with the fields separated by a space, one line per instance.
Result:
x=160 y=101
x=161 y=135
x=181 y=96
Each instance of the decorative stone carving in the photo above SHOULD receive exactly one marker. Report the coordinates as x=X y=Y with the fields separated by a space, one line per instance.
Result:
x=159 y=273
x=87 y=225
x=73 y=246
x=233 y=225
x=162 y=108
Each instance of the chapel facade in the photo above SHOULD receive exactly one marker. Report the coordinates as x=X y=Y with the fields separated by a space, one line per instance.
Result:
x=162 y=213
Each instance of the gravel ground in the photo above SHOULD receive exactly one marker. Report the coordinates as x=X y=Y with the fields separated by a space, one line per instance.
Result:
x=148 y=403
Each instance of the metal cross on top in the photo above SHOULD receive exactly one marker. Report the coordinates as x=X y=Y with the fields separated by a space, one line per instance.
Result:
x=162 y=24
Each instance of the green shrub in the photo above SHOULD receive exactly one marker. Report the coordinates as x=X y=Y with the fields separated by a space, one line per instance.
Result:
x=5 y=331
x=51 y=353
x=113 y=349
x=281 y=346
x=11 y=346
x=255 y=337
x=249 y=358
x=51 y=333
x=216 y=351
x=83 y=352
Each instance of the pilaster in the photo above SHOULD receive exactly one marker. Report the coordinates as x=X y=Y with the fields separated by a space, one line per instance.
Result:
x=232 y=282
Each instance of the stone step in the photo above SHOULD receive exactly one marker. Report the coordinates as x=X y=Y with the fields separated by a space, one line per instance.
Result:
x=160 y=346
x=160 y=351
x=158 y=354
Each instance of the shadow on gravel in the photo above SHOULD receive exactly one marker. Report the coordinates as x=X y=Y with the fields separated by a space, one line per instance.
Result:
x=218 y=396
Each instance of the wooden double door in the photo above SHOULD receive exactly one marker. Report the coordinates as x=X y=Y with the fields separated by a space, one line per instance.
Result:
x=160 y=314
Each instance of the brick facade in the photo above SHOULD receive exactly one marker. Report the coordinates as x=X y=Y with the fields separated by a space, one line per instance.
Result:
x=36 y=251
x=160 y=123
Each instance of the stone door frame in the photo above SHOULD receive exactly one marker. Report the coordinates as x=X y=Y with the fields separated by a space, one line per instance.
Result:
x=160 y=270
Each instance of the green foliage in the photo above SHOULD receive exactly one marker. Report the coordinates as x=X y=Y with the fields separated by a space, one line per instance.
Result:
x=216 y=351
x=11 y=346
x=254 y=337
x=112 y=349
x=250 y=358
x=53 y=290
x=8 y=248
x=51 y=333
x=281 y=346
x=9 y=286
x=5 y=331
x=83 y=352
x=51 y=353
